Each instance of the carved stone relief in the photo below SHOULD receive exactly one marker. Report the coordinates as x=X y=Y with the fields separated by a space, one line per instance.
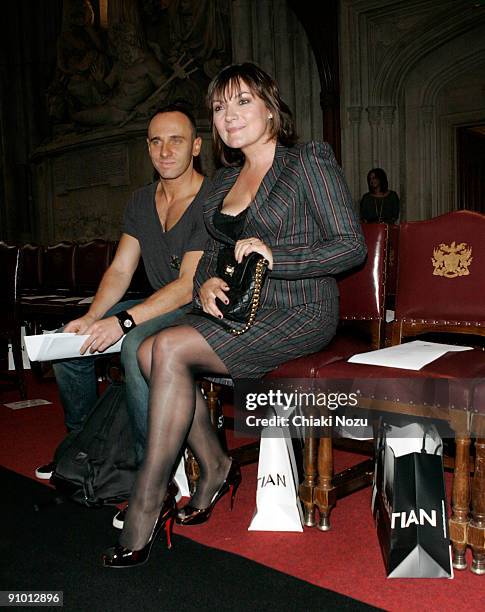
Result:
x=107 y=84
x=148 y=56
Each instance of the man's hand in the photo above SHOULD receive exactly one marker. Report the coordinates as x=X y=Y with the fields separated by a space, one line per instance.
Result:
x=102 y=334
x=79 y=326
x=210 y=290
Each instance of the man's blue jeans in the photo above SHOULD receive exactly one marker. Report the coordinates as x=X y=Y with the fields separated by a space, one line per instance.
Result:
x=76 y=378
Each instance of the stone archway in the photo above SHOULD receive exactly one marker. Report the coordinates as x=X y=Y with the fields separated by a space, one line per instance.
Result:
x=397 y=61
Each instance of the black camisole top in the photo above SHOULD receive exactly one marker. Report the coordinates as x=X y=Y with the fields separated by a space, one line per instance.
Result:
x=230 y=225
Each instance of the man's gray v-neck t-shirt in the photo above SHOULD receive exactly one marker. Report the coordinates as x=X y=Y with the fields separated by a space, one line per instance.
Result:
x=161 y=251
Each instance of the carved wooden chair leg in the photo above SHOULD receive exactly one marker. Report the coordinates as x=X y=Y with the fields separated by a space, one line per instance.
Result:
x=192 y=471
x=306 y=488
x=324 y=493
x=458 y=522
x=211 y=392
x=476 y=528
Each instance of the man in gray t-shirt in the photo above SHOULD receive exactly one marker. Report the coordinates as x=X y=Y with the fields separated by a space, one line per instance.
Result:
x=164 y=226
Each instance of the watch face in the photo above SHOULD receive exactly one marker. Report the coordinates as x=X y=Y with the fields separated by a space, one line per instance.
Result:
x=127 y=323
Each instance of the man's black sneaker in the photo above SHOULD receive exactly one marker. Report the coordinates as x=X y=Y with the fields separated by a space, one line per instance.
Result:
x=44 y=472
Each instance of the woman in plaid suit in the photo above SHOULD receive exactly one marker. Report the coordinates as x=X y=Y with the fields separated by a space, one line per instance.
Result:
x=288 y=202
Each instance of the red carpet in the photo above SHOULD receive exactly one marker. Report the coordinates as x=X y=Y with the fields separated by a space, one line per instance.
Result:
x=346 y=559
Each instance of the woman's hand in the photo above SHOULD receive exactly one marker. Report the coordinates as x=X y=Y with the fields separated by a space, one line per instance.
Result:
x=252 y=245
x=213 y=288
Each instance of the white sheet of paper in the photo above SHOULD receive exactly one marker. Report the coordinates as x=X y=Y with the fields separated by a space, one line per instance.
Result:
x=39 y=297
x=87 y=300
x=66 y=299
x=27 y=404
x=61 y=346
x=409 y=356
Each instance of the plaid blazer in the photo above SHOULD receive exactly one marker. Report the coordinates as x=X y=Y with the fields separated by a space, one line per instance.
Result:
x=303 y=211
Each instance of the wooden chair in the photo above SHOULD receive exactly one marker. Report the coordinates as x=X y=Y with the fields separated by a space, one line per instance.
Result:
x=475 y=536
x=10 y=325
x=439 y=290
x=392 y=259
x=44 y=309
x=140 y=285
x=58 y=268
x=362 y=309
x=361 y=329
x=31 y=280
x=90 y=261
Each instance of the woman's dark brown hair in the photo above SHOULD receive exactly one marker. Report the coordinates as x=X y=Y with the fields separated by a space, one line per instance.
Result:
x=381 y=176
x=262 y=85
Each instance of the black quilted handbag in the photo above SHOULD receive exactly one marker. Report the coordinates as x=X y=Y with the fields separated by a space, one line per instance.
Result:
x=245 y=281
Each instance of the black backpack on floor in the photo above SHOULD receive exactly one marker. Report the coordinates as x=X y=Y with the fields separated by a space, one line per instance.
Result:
x=96 y=466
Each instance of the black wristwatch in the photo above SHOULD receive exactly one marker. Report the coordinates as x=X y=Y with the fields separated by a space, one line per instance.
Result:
x=126 y=321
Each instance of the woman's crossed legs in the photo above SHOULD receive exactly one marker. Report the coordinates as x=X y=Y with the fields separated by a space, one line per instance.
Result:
x=177 y=412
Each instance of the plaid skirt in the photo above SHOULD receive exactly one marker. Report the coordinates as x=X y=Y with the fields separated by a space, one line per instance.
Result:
x=277 y=335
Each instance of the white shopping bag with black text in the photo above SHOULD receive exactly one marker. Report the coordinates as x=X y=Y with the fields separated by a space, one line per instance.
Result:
x=277 y=505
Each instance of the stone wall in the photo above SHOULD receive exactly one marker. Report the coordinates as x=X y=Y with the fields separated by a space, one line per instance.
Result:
x=82 y=183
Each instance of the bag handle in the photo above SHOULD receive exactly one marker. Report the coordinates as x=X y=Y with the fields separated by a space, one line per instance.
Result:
x=423 y=448
x=258 y=282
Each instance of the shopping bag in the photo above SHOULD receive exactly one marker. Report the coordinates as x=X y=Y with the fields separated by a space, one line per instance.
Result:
x=180 y=478
x=25 y=357
x=277 y=505
x=409 y=502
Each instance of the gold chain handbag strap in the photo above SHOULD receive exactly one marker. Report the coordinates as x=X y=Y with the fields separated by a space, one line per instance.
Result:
x=258 y=282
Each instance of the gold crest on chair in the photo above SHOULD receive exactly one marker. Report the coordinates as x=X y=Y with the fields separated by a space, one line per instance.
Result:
x=452 y=261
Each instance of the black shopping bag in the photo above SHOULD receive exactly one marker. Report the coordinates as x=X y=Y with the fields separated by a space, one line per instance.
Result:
x=409 y=502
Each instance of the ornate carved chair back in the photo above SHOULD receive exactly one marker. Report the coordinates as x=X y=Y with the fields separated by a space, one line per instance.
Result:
x=441 y=276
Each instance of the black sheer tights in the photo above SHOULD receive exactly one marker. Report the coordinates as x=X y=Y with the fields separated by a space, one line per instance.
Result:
x=177 y=411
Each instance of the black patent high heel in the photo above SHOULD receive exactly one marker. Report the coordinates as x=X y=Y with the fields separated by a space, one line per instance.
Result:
x=190 y=515
x=119 y=556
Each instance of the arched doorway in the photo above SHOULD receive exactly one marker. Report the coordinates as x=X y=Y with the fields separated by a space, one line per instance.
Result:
x=471 y=167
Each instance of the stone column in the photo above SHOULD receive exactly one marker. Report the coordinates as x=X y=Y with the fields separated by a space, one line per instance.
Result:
x=353 y=173
x=241 y=28
x=268 y=32
x=265 y=17
x=427 y=207
x=388 y=156
x=375 y=114
x=284 y=42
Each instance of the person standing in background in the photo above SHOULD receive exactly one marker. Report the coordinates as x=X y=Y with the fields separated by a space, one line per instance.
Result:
x=379 y=204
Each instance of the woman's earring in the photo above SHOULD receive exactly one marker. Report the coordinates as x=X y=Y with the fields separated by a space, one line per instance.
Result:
x=270 y=116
